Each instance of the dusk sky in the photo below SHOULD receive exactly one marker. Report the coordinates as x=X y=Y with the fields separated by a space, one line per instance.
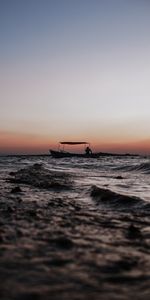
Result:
x=74 y=70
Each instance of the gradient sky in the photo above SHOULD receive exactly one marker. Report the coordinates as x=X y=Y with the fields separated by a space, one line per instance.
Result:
x=75 y=70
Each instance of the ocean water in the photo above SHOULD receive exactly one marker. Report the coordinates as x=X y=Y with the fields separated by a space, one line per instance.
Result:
x=125 y=175
x=75 y=228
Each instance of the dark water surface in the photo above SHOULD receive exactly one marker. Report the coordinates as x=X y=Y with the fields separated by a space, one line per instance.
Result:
x=74 y=228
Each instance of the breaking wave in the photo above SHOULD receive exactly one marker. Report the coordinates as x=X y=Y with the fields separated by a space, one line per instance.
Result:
x=110 y=199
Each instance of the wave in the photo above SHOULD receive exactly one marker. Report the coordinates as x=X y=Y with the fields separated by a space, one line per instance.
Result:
x=110 y=199
x=38 y=176
x=144 y=167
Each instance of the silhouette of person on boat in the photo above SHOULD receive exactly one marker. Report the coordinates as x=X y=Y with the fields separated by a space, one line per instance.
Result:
x=88 y=150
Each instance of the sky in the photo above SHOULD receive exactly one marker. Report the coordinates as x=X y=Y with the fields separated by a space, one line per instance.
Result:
x=74 y=70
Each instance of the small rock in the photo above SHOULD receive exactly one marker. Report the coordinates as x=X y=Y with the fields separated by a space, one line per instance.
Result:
x=32 y=213
x=10 y=209
x=59 y=262
x=64 y=243
x=77 y=208
x=118 y=177
x=133 y=232
x=16 y=189
x=12 y=173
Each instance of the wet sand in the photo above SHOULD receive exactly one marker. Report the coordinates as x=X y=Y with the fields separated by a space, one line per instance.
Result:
x=64 y=249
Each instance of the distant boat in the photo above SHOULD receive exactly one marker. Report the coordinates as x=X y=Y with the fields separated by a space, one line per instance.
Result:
x=60 y=153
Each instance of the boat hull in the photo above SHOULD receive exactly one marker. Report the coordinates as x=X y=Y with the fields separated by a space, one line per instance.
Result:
x=61 y=154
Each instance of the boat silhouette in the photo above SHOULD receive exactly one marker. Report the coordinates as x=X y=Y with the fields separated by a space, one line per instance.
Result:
x=61 y=152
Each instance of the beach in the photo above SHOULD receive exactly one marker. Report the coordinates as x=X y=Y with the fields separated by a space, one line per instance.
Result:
x=65 y=234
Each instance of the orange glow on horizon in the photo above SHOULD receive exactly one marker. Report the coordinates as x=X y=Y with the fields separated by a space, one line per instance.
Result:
x=17 y=143
x=138 y=147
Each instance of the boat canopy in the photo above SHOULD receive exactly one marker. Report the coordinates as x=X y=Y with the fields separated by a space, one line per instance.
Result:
x=73 y=143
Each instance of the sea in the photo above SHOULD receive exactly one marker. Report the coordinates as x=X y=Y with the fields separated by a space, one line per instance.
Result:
x=75 y=228
x=125 y=175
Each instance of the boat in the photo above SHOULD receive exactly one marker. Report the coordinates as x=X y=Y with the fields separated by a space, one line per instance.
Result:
x=60 y=153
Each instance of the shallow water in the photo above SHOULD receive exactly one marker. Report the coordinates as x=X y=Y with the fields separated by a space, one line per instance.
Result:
x=74 y=228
